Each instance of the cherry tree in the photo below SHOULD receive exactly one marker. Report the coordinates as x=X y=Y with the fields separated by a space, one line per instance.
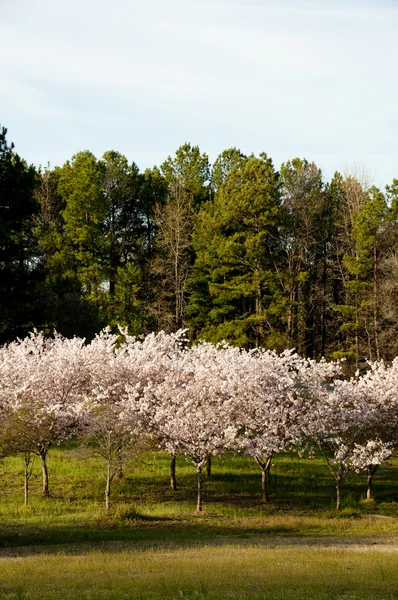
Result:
x=12 y=424
x=271 y=391
x=190 y=410
x=369 y=455
x=342 y=424
x=15 y=442
x=377 y=389
x=114 y=367
x=155 y=353
x=43 y=381
x=108 y=374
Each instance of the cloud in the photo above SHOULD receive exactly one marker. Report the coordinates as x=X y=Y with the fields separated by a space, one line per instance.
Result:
x=289 y=75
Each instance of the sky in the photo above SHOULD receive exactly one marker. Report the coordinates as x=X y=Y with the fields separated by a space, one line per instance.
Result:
x=292 y=78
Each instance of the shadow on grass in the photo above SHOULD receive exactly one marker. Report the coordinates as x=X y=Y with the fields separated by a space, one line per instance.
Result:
x=145 y=533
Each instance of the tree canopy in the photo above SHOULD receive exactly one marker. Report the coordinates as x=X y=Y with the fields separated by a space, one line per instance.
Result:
x=233 y=250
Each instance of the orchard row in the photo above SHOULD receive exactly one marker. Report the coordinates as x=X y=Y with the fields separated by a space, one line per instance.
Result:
x=199 y=401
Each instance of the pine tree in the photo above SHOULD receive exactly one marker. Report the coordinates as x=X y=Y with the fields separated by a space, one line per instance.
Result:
x=361 y=264
x=236 y=294
x=20 y=274
x=190 y=169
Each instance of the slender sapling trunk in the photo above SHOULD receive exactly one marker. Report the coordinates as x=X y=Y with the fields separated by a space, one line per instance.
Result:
x=338 y=495
x=208 y=467
x=173 y=480
x=27 y=461
x=200 y=481
x=109 y=478
x=44 y=470
x=26 y=486
x=339 y=481
x=119 y=458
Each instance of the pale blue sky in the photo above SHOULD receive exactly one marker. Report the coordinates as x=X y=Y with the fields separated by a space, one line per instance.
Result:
x=288 y=77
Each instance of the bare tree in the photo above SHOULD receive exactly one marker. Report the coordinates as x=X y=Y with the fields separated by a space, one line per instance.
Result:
x=173 y=259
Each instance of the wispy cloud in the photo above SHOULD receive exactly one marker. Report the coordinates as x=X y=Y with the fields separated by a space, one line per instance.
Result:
x=289 y=77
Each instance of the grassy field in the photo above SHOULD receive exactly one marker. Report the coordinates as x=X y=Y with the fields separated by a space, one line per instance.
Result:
x=152 y=544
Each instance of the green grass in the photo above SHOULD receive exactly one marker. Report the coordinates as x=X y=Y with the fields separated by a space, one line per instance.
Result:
x=288 y=572
x=152 y=544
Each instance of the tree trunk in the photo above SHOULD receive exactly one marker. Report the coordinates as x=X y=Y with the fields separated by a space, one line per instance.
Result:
x=108 y=487
x=265 y=467
x=338 y=492
x=356 y=327
x=264 y=486
x=370 y=349
x=119 y=459
x=46 y=490
x=208 y=467
x=173 y=480
x=290 y=316
x=338 y=497
x=324 y=305
x=259 y=327
x=199 y=499
x=376 y=302
x=26 y=483
x=371 y=472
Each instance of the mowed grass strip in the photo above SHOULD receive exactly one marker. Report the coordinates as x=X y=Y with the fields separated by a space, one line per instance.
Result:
x=287 y=573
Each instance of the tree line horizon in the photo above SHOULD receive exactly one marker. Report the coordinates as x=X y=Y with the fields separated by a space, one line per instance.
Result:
x=233 y=251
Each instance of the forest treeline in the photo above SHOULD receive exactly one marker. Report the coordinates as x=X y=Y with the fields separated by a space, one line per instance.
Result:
x=233 y=250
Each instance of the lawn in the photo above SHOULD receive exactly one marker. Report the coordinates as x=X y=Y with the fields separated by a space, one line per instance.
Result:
x=152 y=544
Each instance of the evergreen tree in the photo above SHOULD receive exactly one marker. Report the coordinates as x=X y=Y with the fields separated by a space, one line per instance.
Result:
x=236 y=289
x=364 y=230
x=19 y=270
x=190 y=169
x=223 y=164
x=125 y=234
x=67 y=308
x=389 y=276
